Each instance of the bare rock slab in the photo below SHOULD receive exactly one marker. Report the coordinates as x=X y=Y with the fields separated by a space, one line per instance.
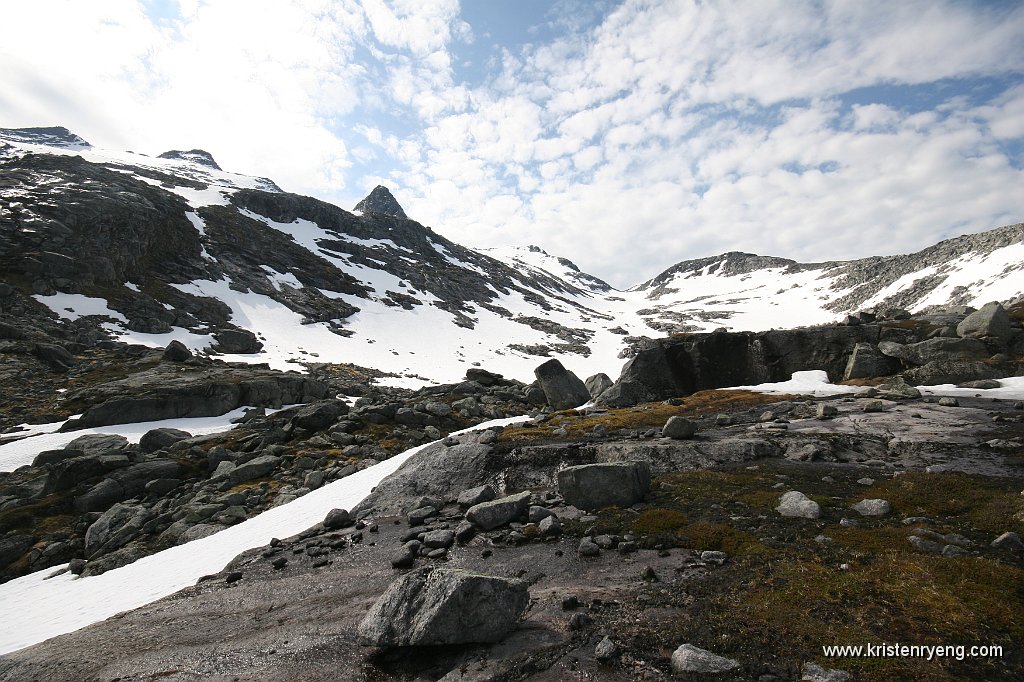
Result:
x=433 y=607
x=595 y=486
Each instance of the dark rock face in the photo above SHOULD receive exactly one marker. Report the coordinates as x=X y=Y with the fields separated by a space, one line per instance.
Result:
x=562 y=388
x=200 y=156
x=596 y=486
x=202 y=399
x=55 y=136
x=432 y=607
x=867 y=361
x=380 y=200
x=680 y=366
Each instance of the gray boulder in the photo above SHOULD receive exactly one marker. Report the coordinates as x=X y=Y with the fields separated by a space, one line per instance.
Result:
x=876 y=507
x=98 y=444
x=158 y=439
x=114 y=528
x=595 y=486
x=434 y=607
x=691 y=659
x=598 y=384
x=100 y=497
x=990 y=321
x=679 y=428
x=795 y=504
x=319 y=415
x=562 y=389
x=255 y=468
x=176 y=351
x=867 y=361
x=472 y=496
x=489 y=515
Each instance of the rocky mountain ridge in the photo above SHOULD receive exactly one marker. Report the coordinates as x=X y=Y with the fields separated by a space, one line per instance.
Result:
x=119 y=245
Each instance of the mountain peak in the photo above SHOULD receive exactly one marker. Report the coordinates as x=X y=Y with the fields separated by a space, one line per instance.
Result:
x=380 y=200
x=55 y=136
x=200 y=156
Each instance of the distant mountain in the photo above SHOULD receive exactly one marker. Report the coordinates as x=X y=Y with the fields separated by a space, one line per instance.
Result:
x=153 y=249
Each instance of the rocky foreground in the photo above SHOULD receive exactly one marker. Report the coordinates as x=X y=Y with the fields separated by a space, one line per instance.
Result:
x=670 y=529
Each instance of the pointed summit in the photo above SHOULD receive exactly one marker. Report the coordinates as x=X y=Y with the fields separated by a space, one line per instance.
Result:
x=380 y=200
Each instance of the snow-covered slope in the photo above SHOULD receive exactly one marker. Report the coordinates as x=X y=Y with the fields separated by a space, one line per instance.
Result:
x=173 y=247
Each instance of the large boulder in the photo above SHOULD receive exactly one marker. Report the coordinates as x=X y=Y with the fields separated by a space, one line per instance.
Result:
x=236 y=341
x=434 y=607
x=114 y=528
x=598 y=384
x=938 y=349
x=438 y=470
x=98 y=444
x=562 y=388
x=13 y=547
x=158 y=439
x=495 y=513
x=319 y=415
x=595 y=486
x=990 y=321
x=254 y=468
x=866 y=361
x=950 y=372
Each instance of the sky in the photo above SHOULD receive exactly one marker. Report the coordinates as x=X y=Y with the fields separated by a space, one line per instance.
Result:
x=626 y=136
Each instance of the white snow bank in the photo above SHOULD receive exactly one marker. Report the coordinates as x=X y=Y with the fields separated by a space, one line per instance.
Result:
x=812 y=382
x=74 y=306
x=815 y=382
x=36 y=609
x=43 y=437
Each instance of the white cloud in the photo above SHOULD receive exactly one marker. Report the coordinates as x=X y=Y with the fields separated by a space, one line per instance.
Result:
x=667 y=131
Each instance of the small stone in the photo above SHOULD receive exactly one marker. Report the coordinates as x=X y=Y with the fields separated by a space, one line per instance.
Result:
x=439 y=539
x=925 y=545
x=570 y=602
x=826 y=411
x=954 y=551
x=76 y=566
x=723 y=420
x=873 y=406
x=649 y=574
x=849 y=523
x=403 y=558
x=580 y=621
x=813 y=672
x=606 y=649
x=714 y=557
x=588 y=548
x=690 y=659
x=279 y=563
x=949 y=402
x=549 y=526
x=233 y=577
x=866 y=481
x=874 y=507
x=536 y=514
x=1008 y=540
x=1019 y=405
